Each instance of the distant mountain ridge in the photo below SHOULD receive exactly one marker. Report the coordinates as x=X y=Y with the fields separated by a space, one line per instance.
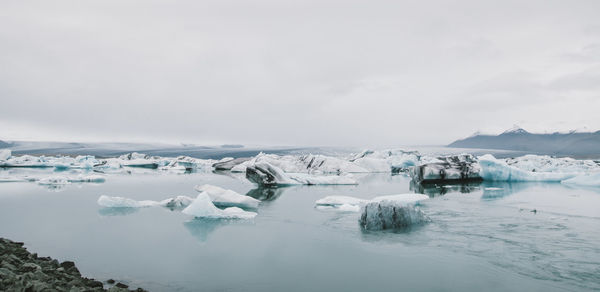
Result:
x=518 y=139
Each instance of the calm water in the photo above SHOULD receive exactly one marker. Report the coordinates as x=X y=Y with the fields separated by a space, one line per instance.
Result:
x=481 y=238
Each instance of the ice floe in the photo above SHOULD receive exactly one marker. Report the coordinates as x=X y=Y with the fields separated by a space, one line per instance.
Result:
x=346 y=203
x=202 y=207
x=227 y=198
x=498 y=170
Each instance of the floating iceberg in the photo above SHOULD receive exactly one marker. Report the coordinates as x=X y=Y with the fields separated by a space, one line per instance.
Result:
x=266 y=174
x=227 y=198
x=346 y=203
x=334 y=201
x=590 y=180
x=229 y=163
x=310 y=163
x=135 y=159
x=54 y=180
x=544 y=163
x=5 y=154
x=390 y=214
x=94 y=178
x=387 y=160
x=458 y=168
x=120 y=202
x=498 y=170
x=202 y=207
x=178 y=202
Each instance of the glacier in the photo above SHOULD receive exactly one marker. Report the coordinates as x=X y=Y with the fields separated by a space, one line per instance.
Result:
x=5 y=154
x=202 y=207
x=227 y=198
x=178 y=202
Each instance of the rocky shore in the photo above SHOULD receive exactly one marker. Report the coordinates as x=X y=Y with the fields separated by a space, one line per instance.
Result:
x=21 y=270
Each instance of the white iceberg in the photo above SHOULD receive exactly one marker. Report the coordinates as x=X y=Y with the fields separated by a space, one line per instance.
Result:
x=589 y=180
x=264 y=173
x=120 y=202
x=178 y=202
x=202 y=207
x=227 y=198
x=5 y=154
x=93 y=178
x=545 y=163
x=54 y=180
x=498 y=170
x=346 y=203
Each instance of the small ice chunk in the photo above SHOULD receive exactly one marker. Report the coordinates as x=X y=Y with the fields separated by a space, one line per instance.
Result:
x=54 y=180
x=120 y=202
x=5 y=154
x=339 y=201
x=227 y=198
x=346 y=203
x=202 y=207
x=93 y=178
x=390 y=214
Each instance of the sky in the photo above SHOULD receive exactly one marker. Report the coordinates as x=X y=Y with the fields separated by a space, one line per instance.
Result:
x=310 y=73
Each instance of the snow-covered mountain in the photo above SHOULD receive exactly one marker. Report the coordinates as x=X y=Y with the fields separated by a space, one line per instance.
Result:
x=575 y=142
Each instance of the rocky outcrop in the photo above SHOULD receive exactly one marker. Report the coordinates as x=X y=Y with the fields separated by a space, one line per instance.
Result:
x=21 y=270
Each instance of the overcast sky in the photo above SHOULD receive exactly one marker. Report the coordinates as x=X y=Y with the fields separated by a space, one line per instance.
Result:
x=295 y=72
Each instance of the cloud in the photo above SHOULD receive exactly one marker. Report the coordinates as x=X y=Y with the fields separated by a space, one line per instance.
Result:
x=289 y=72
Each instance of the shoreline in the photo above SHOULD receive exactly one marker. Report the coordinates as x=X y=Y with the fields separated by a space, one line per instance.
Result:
x=21 y=270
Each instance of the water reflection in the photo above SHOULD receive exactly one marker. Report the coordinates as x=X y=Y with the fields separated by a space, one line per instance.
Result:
x=201 y=228
x=266 y=193
x=435 y=190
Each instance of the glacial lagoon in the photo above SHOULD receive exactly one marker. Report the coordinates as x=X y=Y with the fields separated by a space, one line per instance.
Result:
x=490 y=236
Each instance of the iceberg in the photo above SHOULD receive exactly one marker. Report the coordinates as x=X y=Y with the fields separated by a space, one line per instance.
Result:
x=178 y=202
x=394 y=212
x=229 y=163
x=5 y=154
x=94 y=178
x=498 y=170
x=394 y=160
x=202 y=207
x=54 y=180
x=135 y=159
x=346 y=203
x=455 y=168
x=227 y=198
x=266 y=174
x=545 y=163
x=309 y=163
x=120 y=202
x=589 y=180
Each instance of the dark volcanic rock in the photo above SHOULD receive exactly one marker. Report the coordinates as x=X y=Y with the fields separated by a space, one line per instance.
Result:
x=24 y=271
